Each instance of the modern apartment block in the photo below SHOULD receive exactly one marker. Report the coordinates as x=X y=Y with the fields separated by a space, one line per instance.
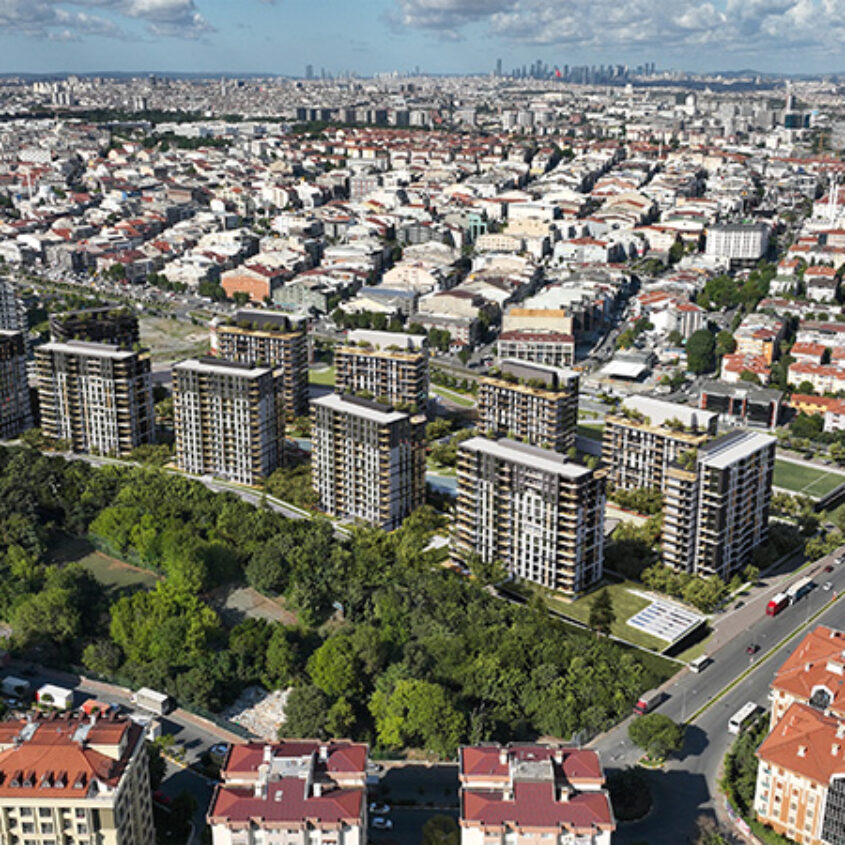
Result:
x=530 y=402
x=229 y=419
x=116 y=326
x=716 y=504
x=12 y=309
x=368 y=460
x=527 y=794
x=738 y=241
x=273 y=340
x=554 y=349
x=800 y=790
x=95 y=396
x=71 y=779
x=531 y=509
x=294 y=792
x=389 y=366
x=15 y=405
x=646 y=435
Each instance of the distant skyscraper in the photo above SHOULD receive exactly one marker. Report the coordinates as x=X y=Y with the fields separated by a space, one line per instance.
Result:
x=498 y=67
x=309 y=71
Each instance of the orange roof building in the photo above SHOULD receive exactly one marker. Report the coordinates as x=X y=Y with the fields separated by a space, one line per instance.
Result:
x=75 y=777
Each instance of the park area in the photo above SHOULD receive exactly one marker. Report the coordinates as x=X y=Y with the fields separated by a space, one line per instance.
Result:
x=806 y=479
x=323 y=376
x=115 y=575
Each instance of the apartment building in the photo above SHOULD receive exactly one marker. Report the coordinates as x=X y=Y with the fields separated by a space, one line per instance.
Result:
x=272 y=340
x=228 y=418
x=646 y=435
x=526 y=794
x=738 y=241
x=12 y=308
x=530 y=402
x=294 y=792
x=15 y=405
x=390 y=366
x=554 y=349
x=65 y=778
x=368 y=460
x=716 y=504
x=800 y=790
x=531 y=509
x=115 y=326
x=95 y=396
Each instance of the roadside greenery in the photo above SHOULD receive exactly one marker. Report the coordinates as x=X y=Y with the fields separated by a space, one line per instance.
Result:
x=389 y=647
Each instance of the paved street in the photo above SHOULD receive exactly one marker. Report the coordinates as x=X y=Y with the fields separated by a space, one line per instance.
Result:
x=686 y=788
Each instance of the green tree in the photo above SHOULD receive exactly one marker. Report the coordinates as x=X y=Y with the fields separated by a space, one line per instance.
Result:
x=725 y=343
x=306 y=712
x=656 y=734
x=417 y=713
x=441 y=830
x=602 y=614
x=334 y=666
x=700 y=352
x=280 y=660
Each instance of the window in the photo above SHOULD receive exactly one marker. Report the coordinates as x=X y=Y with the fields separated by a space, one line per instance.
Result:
x=44 y=812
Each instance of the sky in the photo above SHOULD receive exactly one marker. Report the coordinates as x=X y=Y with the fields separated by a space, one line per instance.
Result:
x=438 y=36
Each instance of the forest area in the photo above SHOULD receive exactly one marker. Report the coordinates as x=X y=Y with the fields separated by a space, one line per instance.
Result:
x=419 y=657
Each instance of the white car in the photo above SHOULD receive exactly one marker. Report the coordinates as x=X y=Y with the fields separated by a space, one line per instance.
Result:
x=381 y=823
x=380 y=809
x=827 y=585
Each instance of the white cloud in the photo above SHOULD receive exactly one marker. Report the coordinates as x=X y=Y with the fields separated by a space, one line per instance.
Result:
x=61 y=20
x=672 y=26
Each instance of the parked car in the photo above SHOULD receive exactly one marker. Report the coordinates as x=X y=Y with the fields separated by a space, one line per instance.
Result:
x=828 y=568
x=753 y=648
x=381 y=823
x=827 y=585
x=379 y=809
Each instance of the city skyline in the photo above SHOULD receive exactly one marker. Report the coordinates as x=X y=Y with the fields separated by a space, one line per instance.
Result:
x=438 y=36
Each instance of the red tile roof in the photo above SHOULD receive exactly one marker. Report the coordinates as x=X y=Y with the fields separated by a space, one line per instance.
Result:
x=819 y=661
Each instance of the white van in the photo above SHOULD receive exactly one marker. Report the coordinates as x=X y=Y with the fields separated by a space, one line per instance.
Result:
x=699 y=663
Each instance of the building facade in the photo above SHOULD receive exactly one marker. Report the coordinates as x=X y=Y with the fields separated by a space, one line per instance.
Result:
x=554 y=349
x=294 y=792
x=272 y=340
x=115 y=326
x=530 y=402
x=228 y=418
x=738 y=241
x=66 y=778
x=716 y=504
x=646 y=435
x=527 y=794
x=800 y=790
x=538 y=514
x=368 y=460
x=15 y=405
x=388 y=365
x=95 y=396
x=12 y=309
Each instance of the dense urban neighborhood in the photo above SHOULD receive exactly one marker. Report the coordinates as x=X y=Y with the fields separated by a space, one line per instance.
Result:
x=422 y=460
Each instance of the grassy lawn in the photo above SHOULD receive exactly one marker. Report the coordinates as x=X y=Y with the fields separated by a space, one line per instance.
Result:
x=453 y=396
x=805 y=479
x=696 y=650
x=115 y=574
x=439 y=469
x=171 y=339
x=594 y=431
x=324 y=377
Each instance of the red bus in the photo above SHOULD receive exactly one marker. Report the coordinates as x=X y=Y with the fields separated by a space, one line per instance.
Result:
x=777 y=604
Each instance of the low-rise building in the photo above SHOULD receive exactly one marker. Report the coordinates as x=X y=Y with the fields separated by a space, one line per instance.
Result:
x=530 y=402
x=538 y=514
x=554 y=349
x=525 y=794
x=294 y=792
x=64 y=777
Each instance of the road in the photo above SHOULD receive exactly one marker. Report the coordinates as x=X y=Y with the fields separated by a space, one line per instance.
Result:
x=687 y=786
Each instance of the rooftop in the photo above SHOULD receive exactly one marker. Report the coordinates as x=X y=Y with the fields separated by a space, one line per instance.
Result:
x=732 y=447
x=221 y=367
x=532 y=456
x=354 y=405
x=93 y=350
x=659 y=411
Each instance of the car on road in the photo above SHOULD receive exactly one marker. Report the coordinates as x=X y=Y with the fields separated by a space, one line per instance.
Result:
x=160 y=798
x=381 y=823
x=753 y=648
x=379 y=809
x=828 y=568
x=827 y=585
